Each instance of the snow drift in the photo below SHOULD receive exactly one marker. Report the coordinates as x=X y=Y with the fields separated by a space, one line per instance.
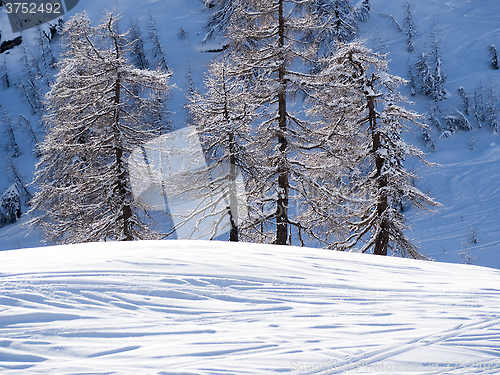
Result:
x=195 y=307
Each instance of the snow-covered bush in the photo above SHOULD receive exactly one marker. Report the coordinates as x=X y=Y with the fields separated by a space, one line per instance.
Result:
x=10 y=206
x=456 y=121
x=492 y=50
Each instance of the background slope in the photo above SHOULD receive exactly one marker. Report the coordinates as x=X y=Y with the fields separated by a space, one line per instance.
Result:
x=467 y=180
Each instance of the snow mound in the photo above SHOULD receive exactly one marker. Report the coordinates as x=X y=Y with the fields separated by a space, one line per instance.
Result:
x=195 y=307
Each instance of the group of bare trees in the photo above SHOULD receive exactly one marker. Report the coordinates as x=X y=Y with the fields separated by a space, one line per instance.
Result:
x=315 y=122
x=310 y=120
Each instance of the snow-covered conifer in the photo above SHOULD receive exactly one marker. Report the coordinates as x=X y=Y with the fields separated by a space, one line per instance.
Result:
x=12 y=146
x=257 y=35
x=190 y=91
x=433 y=118
x=24 y=123
x=189 y=81
x=492 y=50
x=16 y=176
x=411 y=80
x=479 y=105
x=411 y=28
x=183 y=35
x=94 y=121
x=490 y=110
x=381 y=42
x=340 y=20
x=437 y=66
x=427 y=138
x=4 y=75
x=265 y=51
x=431 y=73
x=393 y=21
x=363 y=10
x=465 y=99
x=471 y=143
x=46 y=57
x=159 y=60
x=29 y=84
x=220 y=19
x=137 y=53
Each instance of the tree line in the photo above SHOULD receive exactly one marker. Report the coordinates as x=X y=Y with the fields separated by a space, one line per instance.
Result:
x=308 y=117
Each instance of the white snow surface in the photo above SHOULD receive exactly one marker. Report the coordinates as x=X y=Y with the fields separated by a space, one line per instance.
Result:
x=467 y=181
x=208 y=307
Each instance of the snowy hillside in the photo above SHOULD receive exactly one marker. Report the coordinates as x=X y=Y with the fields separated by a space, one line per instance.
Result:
x=466 y=183
x=194 y=307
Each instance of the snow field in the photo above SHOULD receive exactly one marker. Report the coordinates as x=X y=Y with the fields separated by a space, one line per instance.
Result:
x=465 y=28
x=195 y=307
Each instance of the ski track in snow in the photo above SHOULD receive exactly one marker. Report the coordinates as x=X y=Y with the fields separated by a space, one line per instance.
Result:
x=193 y=307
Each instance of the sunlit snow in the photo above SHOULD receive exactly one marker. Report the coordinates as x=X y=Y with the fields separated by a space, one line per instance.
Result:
x=195 y=307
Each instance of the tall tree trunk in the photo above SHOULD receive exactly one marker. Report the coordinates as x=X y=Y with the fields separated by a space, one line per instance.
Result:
x=233 y=202
x=382 y=237
x=283 y=187
x=121 y=167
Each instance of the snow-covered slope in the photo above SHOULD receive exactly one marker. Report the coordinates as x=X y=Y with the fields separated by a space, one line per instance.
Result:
x=194 y=307
x=466 y=183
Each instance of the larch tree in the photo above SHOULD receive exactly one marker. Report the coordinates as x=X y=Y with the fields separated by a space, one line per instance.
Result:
x=271 y=47
x=358 y=160
x=222 y=119
x=381 y=182
x=263 y=48
x=95 y=119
